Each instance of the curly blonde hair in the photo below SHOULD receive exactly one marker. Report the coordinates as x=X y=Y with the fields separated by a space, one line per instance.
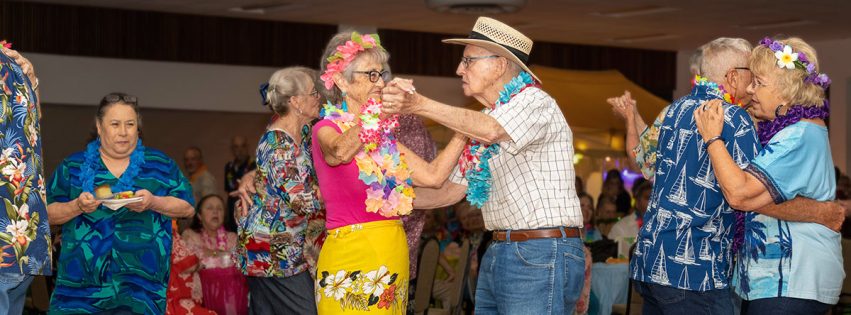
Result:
x=789 y=84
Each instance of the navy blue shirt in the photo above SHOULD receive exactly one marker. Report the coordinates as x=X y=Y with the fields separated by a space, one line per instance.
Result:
x=688 y=228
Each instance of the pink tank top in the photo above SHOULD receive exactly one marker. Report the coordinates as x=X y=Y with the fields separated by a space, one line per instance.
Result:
x=344 y=194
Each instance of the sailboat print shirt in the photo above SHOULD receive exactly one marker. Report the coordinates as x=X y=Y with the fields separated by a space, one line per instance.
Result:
x=792 y=259
x=688 y=229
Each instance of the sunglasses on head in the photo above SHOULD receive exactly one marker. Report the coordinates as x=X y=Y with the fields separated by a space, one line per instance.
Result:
x=114 y=98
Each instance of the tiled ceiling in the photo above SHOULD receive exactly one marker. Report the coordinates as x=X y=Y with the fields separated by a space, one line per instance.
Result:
x=653 y=24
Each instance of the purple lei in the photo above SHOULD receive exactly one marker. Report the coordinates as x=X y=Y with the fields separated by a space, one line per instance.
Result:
x=768 y=129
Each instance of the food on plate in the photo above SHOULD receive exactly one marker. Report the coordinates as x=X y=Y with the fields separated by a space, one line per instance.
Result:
x=103 y=192
x=124 y=195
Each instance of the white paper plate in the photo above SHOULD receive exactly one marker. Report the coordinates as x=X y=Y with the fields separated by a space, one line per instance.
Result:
x=116 y=204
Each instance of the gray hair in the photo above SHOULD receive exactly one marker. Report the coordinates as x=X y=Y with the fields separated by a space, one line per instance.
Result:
x=286 y=83
x=335 y=95
x=722 y=54
x=694 y=61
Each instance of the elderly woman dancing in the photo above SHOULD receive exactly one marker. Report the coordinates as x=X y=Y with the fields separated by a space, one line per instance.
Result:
x=784 y=267
x=273 y=226
x=115 y=261
x=366 y=180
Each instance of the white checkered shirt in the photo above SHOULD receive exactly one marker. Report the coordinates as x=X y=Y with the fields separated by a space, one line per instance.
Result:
x=533 y=176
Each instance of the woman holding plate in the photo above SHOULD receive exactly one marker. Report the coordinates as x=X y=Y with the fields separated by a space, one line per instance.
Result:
x=115 y=261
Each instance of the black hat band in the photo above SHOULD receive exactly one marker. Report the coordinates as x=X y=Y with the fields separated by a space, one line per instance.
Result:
x=516 y=52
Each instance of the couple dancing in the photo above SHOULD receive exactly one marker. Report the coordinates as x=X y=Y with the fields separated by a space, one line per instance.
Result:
x=512 y=160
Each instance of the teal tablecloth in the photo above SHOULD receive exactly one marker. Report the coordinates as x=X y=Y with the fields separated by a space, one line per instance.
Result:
x=609 y=283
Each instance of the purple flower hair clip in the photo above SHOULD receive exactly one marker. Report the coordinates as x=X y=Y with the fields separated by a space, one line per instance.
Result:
x=788 y=59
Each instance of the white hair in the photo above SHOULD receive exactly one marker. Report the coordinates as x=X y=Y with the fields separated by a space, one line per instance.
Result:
x=722 y=54
x=694 y=61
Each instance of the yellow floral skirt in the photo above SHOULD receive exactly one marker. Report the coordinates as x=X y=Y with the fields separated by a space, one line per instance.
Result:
x=363 y=268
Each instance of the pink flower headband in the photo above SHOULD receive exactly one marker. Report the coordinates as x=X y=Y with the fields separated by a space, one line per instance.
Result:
x=347 y=52
x=5 y=44
x=791 y=60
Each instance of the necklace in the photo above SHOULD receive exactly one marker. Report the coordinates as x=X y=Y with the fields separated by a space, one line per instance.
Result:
x=91 y=165
x=381 y=166
x=768 y=129
x=476 y=155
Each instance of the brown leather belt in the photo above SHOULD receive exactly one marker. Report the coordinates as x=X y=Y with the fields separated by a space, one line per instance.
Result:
x=525 y=235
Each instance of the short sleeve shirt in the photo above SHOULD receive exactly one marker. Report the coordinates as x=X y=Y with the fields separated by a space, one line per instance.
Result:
x=688 y=229
x=114 y=259
x=533 y=174
x=792 y=259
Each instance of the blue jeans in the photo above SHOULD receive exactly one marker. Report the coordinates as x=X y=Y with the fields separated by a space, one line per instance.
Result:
x=668 y=300
x=785 y=306
x=13 y=290
x=540 y=276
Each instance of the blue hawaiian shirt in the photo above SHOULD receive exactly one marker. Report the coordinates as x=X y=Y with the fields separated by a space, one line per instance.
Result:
x=688 y=229
x=24 y=231
x=792 y=259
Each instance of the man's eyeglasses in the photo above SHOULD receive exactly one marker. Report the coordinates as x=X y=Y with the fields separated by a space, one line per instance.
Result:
x=466 y=61
x=738 y=68
x=115 y=98
x=374 y=75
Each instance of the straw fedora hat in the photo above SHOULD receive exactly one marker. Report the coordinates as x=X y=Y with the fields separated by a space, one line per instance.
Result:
x=500 y=39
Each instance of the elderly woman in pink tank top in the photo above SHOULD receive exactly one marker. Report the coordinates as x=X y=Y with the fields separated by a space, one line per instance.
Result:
x=366 y=178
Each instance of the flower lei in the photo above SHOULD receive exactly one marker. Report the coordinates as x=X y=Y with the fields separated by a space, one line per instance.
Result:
x=476 y=155
x=91 y=164
x=729 y=98
x=768 y=129
x=347 y=52
x=382 y=167
x=221 y=240
x=791 y=60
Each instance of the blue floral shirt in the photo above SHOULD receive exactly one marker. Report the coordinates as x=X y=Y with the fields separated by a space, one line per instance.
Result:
x=688 y=229
x=792 y=259
x=24 y=231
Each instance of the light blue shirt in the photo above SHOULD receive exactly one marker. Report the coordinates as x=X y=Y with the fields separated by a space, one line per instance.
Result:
x=792 y=259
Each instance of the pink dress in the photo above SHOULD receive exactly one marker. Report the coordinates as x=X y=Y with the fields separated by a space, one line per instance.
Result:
x=224 y=288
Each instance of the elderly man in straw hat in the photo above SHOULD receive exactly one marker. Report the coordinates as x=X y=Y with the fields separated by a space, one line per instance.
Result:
x=517 y=167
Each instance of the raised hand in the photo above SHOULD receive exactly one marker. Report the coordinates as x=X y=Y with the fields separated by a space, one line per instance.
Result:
x=399 y=97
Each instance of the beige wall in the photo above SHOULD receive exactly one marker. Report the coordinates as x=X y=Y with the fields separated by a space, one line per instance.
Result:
x=183 y=104
x=76 y=80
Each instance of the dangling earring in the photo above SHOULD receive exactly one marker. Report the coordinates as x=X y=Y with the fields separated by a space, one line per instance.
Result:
x=343 y=105
x=777 y=110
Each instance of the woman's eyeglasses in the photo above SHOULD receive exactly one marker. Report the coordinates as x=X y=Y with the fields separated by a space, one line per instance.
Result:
x=314 y=94
x=115 y=98
x=374 y=75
